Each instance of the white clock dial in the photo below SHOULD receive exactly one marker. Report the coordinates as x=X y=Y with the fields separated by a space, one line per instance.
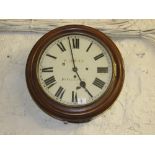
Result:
x=75 y=70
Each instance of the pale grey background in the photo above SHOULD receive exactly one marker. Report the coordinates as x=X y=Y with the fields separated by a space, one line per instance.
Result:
x=132 y=113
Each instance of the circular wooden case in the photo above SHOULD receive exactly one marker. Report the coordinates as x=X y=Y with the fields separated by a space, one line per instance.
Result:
x=71 y=113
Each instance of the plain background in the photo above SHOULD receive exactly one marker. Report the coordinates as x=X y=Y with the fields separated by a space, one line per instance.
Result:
x=132 y=113
x=94 y=9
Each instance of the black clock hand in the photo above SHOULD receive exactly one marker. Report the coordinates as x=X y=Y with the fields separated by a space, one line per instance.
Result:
x=82 y=83
x=74 y=68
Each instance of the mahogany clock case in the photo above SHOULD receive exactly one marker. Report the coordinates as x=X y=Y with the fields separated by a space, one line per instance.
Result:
x=72 y=113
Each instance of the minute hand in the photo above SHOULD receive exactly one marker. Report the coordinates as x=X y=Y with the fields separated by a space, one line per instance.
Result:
x=82 y=83
x=74 y=68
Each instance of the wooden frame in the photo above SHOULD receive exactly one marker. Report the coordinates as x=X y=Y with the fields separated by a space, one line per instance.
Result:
x=69 y=113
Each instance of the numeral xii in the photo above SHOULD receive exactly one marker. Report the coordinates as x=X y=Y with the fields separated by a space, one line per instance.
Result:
x=75 y=43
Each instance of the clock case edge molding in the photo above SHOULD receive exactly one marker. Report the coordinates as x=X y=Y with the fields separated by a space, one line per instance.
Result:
x=69 y=113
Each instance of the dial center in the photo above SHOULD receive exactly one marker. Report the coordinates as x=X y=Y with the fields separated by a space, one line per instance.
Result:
x=75 y=69
x=83 y=84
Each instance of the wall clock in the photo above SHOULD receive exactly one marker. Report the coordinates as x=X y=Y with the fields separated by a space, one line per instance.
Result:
x=74 y=73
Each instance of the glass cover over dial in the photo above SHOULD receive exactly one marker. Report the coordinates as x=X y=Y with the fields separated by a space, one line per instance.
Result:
x=75 y=70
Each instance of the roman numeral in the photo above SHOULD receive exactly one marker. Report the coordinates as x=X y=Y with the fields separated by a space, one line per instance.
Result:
x=51 y=56
x=48 y=69
x=89 y=46
x=102 y=69
x=60 y=92
x=74 y=96
x=50 y=81
x=99 y=83
x=75 y=42
x=61 y=46
x=98 y=56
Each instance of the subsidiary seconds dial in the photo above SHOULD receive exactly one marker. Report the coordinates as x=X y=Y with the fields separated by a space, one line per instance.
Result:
x=75 y=70
x=74 y=73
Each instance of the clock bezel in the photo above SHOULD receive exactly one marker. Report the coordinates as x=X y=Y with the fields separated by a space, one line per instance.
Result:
x=70 y=113
x=86 y=35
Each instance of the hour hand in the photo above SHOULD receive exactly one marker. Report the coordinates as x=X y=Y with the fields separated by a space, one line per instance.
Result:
x=88 y=92
x=83 y=85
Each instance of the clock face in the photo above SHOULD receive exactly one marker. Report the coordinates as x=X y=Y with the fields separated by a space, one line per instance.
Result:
x=75 y=70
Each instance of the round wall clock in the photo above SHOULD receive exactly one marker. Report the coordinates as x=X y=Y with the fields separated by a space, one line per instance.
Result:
x=74 y=73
